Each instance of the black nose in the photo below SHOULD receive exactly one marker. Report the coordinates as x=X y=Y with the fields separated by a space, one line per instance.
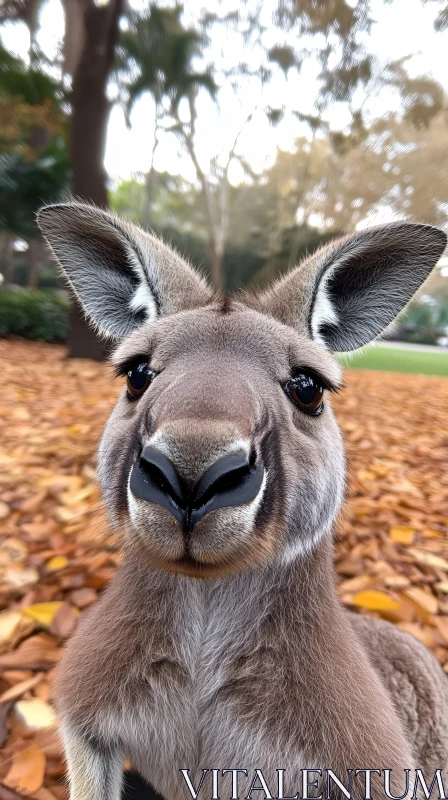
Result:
x=230 y=481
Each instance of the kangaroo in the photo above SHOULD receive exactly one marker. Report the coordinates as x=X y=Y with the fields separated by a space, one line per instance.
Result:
x=221 y=644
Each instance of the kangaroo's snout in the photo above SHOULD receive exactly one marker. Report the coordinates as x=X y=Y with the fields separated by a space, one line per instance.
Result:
x=231 y=480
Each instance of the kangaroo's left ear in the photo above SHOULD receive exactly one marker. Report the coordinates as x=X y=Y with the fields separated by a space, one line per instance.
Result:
x=350 y=291
x=121 y=275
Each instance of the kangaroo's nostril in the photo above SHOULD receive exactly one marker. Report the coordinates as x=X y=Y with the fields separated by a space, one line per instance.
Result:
x=232 y=480
x=226 y=475
x=155 y=479
x=162 y=472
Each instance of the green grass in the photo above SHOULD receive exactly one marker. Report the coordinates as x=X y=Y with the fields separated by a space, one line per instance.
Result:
x=400 y=360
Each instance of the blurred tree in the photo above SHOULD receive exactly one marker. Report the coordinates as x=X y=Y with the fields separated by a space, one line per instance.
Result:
x=398 y=166
x=33 y=158
x=175 y=203
x=162 y=51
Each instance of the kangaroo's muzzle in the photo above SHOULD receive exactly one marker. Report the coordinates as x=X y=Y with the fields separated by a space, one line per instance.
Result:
x=232 y=480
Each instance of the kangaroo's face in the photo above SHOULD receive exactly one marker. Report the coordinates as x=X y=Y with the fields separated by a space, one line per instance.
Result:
x=222 y=451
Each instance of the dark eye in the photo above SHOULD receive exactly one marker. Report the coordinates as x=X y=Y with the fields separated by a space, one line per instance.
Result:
x=306 y=392
x=138 y=380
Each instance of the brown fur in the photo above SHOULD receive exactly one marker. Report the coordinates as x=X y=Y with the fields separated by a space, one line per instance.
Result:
x=227 y=647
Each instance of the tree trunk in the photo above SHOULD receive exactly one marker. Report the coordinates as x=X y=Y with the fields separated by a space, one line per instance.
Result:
x=147 y=202
x=217 y=266
x=7 y=258
x=90 y=114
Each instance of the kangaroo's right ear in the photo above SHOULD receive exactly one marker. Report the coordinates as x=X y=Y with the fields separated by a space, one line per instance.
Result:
x=122 y=276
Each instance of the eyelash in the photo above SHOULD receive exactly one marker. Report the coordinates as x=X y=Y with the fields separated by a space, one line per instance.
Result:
x=121 y=370
x=324 y=382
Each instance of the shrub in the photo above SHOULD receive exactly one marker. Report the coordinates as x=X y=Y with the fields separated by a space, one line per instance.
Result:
x=34 y=314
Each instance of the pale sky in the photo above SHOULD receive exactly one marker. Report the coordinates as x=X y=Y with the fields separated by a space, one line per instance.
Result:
x=402 y=28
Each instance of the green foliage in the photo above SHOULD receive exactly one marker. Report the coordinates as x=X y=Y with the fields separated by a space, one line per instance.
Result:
x=32 y=85
x=34 y=159
x=25 y=186
x=160 y=52
x=34 y=314
x=175 y=203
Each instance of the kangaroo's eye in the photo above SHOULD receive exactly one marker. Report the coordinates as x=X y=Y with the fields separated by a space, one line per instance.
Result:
x=306 y=393
x=138 y=379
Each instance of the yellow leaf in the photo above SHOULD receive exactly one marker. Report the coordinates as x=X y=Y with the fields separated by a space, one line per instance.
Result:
x=375 y=601
x=9 y=621
x=42 y=613
x=56 y=563
x=36 y=714
x=402 y=535
x=27 y=771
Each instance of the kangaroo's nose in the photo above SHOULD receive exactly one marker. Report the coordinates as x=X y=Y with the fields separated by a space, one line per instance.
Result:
x=231 y=481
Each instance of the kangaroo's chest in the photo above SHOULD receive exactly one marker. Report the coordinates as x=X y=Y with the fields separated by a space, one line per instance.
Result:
x=205 y=703
x=188 y=717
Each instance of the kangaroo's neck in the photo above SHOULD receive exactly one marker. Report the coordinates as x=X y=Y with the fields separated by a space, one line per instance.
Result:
x=299 y=596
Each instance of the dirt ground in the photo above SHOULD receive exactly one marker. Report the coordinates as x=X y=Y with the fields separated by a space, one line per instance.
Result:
x=56 y=553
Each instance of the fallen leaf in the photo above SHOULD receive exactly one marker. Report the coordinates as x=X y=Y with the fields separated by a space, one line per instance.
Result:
x=425 y=634
x=376 y=601
x=402 y=535
x=64 y=621
x=355 y=584
x=12 y=551
x=35 y=714
x=429 y=559
x=20 y=688
x=423 y=599
x=442 y=626
x=9 y=621
x=14 y=676
x=33 y=653
x=396 y=581
x=42 y=613
x=27 y=771
x=44 y=794
x=83 y=597
x=19 y=578
x=56 y=563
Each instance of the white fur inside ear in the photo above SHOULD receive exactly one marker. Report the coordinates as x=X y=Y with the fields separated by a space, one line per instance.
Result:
x=323 y=310
x=143 y=300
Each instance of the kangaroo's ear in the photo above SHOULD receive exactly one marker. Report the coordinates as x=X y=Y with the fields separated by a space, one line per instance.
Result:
x=351 y=290
x=121 y=275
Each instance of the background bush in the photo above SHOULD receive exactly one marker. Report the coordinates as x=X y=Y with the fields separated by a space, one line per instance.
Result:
x=35 y=314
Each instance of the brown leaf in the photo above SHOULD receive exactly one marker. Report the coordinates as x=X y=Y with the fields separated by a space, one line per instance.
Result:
x=442 y=626
x=27 y=771
x=64 y=621
x=32 y=653
x=20 y=688
x=424 y=600
x=83 y=597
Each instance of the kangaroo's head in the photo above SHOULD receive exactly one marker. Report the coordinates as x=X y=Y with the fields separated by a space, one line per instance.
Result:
x=222 y=451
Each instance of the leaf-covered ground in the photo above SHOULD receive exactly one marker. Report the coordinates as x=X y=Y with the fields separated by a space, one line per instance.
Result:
x=56 y=553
